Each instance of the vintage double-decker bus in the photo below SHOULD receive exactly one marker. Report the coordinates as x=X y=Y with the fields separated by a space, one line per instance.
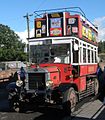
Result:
x=64 y=57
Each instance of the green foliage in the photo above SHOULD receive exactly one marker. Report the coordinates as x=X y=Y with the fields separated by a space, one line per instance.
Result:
x=11 y=47
x=101 y=47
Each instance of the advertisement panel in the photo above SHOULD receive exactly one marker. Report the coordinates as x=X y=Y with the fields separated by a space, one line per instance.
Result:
x=55 y=31
x=40 y=28
x=88 y=33
x=55 y=24
x=72 y=26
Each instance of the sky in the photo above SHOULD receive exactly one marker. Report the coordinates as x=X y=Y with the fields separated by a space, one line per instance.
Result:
x=12 y=13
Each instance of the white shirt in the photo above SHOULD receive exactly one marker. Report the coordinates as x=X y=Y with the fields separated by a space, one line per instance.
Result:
x=57 y=60
x=76 y=47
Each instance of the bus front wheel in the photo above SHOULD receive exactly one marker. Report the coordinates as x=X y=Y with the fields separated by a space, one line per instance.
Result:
x=70 y=100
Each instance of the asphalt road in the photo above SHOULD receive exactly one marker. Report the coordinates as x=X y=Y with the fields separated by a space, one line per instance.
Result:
x=43 y=113
x=88 y=109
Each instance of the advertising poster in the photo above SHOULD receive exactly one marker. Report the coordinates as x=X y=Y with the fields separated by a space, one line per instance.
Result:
x=74 y=29
x=93 y=36
x=85 y=32
x=38 y=33
x=71 y=21
x=72 y=26
x=55 y=31
x=40 y=28
x=56 y=24
x=88 y=33
x=38 y=24
x=68 y=30
x=43 y=29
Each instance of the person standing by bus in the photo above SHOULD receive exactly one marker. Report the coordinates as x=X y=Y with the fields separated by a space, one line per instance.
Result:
x=101 y=79
x=22 y=75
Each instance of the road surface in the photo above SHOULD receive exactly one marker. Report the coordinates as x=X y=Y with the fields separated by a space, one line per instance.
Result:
x=89 y=109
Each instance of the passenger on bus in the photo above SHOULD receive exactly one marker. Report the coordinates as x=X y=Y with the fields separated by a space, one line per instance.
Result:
x=57 y=60
x=67 y=57
x=75 y=51
x=76 y=47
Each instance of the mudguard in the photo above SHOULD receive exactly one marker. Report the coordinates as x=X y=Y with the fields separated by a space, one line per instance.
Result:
x=11 y=86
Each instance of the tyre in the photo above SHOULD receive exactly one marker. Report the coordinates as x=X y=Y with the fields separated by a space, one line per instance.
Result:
x=96 y=85
x=14 y=104
x=69 y=101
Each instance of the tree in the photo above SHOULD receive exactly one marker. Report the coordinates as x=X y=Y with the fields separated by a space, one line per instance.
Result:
x=101 y=47
x=11 y=46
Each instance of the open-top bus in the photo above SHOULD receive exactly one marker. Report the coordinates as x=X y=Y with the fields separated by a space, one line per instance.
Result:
x=63 y=54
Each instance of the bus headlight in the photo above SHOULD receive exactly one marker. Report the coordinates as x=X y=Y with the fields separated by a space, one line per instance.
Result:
x=49 y=83
x=19 y=83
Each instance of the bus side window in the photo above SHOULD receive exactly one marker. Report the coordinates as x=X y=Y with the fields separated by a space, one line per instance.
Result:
x=84 y=55
x=75 y=51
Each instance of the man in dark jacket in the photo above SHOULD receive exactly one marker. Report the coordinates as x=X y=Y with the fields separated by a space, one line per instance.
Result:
x=101 y=79
x=22 y=75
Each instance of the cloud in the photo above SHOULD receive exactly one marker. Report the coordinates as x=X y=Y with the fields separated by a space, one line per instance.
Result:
x=24 y=35
x=100 y=22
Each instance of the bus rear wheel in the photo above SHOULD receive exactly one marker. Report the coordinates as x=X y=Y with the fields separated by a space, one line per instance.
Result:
x=96 y=85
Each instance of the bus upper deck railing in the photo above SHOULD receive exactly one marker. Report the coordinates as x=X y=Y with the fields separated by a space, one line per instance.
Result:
x=68 y=9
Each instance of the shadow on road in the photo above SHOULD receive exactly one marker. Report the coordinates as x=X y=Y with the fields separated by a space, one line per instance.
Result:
x=47 y=113
x=50 y=113
x=56 y=114
x=44 y=113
